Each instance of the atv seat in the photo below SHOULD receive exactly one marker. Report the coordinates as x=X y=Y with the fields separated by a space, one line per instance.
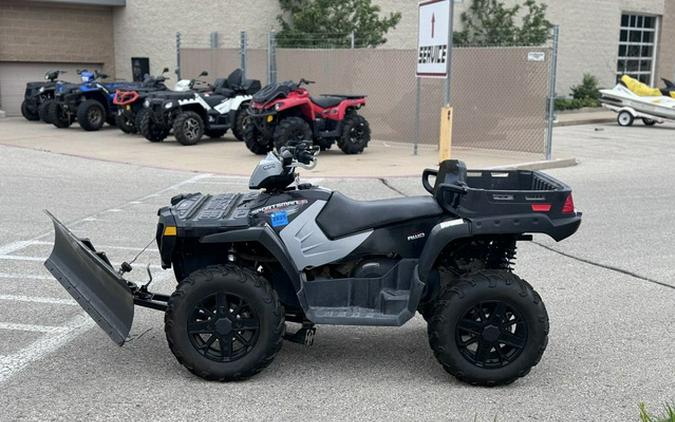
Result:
x=342 y=215
x=213 y=100
x=326 y=101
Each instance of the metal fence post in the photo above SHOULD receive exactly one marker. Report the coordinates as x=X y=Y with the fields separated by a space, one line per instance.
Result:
x=352 y=39
x=271 y=58
x=243 y=47
x=417 y=115
x=213 y=39
x=178 y=55
x=552 y=79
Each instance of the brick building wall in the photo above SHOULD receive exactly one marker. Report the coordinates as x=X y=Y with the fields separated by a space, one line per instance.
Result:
x=31 y=32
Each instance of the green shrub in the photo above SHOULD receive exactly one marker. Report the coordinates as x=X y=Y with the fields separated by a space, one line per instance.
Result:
x=587 y=89
x=562 y=104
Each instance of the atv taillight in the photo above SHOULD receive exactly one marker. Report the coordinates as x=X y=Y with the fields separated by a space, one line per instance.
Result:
x=568 y=206
x=541 y=207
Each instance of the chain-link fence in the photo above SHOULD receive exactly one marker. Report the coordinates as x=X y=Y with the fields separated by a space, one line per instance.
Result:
x=500 y=94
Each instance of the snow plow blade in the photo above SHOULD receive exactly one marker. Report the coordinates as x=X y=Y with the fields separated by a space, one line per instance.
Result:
x=92 y=281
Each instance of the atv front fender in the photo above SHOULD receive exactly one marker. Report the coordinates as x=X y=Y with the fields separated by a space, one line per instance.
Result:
x=268 y=239
x=91 y=280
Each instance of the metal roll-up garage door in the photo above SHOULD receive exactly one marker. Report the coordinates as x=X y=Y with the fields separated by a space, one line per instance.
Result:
x=14 y=75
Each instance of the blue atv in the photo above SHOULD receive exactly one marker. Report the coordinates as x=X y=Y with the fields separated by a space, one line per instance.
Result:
x=90 y=103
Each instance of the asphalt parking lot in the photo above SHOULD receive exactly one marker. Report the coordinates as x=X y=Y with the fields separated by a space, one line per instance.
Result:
x=609 y=291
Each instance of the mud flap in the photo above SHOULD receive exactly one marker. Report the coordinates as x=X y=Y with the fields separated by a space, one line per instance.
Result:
x=92 y=281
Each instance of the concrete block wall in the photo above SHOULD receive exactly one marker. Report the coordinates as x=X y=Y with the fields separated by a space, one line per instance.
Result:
x=148 y=28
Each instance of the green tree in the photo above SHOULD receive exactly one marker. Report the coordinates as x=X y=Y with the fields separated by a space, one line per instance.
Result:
x=490 y=22
x=330 y=23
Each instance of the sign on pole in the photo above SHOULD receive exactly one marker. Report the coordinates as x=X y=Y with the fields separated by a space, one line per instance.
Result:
x=433 y=38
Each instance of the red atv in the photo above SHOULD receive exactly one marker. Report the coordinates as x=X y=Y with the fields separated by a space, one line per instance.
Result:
x=284 y=113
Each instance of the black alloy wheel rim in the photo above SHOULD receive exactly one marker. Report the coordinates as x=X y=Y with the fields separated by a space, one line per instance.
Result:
x=491 y=334
x=223 y=327
x=94 y=115
x=356 y=133
x=191 y=128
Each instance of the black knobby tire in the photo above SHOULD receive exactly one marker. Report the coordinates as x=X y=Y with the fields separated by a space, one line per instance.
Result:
x=91 y=115
x=490 y=328
x=203 y=317
x=325 y=143
x=125 y=122
x=355 y=134
x=28 y=113
x=111 y=119
x=240 y=122
x=215 y=133
x=138 y=118
x=648 y=122
x=43 y=111
x=255 y=140
x=291 y=130
x=188 y=128
x=57 y=116
x=150 y=129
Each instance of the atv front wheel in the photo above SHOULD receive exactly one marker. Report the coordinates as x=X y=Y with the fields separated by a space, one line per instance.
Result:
x=291 y=130
x=188 y=128
x=648 y=122
x=28 y=113
x=255 y=140
x=57 y=116
x=355 y=134
x=489 y=329
x=91 y=115
x=224 y=323
x=125 y=123
x=43 y=109
x=240 y=122
x=151 y=130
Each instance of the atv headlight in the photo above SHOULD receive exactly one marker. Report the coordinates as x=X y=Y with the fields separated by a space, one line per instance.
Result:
x=41 y=90
x=277 y=106
x=168 y=105
x=146 y=103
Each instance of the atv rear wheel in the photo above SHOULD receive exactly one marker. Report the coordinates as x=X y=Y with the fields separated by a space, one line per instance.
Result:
x=151 y=130
x=355 y=134
x=255 y=140
x=57 y=116
x=28 y=113
x=490 y=328
x=224 y=323
x=125 y=123
x=240 y=122
x=291 y=130
x=215 y=133
x=43 y=109
x=188 y=128
x=648 y=122
x=91 y=115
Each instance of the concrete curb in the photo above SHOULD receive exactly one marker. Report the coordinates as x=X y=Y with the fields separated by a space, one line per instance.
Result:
x=593 y=121
x=541 y=165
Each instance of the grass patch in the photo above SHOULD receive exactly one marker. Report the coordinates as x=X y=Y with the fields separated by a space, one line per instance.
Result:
x=667 y=416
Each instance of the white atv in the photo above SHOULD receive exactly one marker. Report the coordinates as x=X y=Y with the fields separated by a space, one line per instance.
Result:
x=195 y=113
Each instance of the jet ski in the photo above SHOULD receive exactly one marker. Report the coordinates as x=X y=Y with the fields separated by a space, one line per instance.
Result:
x=632 y=99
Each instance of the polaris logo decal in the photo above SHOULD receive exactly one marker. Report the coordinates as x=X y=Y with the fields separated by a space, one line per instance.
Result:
x=416 y=236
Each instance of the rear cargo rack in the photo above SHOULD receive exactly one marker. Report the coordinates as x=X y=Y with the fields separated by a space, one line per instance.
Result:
x=484 y=193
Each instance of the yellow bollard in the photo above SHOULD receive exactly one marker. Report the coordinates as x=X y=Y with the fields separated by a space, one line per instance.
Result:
x=445 y=141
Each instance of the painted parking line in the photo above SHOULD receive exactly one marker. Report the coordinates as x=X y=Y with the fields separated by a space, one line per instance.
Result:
x=44 y=258
x=11 y=364
x=122 y=248
x=25 y=276
x=33 y=299
x=31 y=327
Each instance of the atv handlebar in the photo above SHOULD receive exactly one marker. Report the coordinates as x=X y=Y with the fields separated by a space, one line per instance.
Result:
x=304 y=81
x=302 y=154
